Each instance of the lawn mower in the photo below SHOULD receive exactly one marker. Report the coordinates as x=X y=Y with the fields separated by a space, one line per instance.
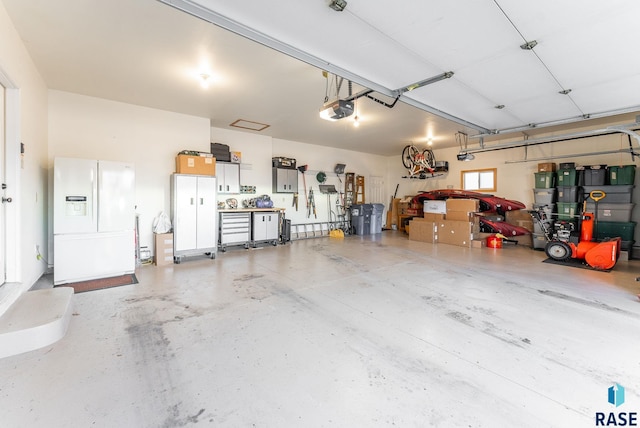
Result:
x=564 y=244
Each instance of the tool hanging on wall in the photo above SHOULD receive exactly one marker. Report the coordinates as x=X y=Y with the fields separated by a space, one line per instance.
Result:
x=311 y=206
x=295 y=201
x=302 y=169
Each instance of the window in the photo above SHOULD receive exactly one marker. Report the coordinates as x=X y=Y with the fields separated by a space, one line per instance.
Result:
x=483 y=180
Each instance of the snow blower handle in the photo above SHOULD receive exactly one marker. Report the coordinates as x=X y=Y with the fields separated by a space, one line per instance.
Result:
x=597 y=195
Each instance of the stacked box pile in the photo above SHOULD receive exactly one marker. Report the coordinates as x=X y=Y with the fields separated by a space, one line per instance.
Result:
x=460 y=223
x=452 y=222
x=613 y=211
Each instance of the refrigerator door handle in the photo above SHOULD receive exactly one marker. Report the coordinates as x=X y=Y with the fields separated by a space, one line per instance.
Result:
x=191 y=201
x=201 y=201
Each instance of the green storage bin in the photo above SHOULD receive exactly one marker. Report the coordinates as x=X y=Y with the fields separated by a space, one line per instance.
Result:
x=612 y=229
x=568 y=211
x=545 y=180
x=567 y=177
x=622 y=174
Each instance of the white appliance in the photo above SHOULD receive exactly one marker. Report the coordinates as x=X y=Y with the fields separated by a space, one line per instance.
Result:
x=194 y=215
x=93 y=219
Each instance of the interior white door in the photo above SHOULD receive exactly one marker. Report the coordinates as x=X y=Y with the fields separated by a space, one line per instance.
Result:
x=206 y=217
x=185 y=215
x=3 y=238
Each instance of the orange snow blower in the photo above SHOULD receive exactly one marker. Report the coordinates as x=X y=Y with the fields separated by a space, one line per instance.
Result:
x=599 y=255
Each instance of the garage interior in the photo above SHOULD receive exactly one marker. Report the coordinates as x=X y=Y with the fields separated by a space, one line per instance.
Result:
x=327 y=324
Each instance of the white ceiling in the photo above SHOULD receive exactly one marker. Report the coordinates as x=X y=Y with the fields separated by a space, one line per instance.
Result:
x=148 y=53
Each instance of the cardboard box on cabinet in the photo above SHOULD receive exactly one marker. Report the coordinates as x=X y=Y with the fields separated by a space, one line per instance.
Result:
x=198 y=165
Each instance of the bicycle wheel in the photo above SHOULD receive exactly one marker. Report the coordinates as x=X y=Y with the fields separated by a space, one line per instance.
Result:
x=429 y=158
x=408 y=155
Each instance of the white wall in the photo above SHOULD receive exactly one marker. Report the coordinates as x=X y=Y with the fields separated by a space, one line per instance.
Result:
x=255 y=170
x=94 y=128
x=28 y=187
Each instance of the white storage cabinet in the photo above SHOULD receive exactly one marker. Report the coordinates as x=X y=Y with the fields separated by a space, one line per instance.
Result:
x=194 y=215
x=228 y=175
x=266 y=227
x=235 y=229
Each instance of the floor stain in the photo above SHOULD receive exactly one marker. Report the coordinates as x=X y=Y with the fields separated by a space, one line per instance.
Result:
x=459 y=316
x=590 y=303
x=248 y=277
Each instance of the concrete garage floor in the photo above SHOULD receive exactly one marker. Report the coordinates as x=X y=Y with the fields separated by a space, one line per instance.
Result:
x=355 y=332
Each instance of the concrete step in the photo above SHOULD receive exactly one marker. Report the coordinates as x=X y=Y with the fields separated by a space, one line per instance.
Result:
x=37 y=319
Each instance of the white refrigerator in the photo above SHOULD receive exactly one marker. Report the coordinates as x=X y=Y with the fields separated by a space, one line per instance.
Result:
x=93 y=219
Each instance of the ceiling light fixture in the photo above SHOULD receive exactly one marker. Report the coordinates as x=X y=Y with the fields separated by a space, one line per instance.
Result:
x=204 y=80
x=338 y=5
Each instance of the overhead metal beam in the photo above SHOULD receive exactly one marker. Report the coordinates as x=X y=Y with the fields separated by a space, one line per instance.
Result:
x=616 y=129
x=566 y=121
x=425 y=82
x=576 y=155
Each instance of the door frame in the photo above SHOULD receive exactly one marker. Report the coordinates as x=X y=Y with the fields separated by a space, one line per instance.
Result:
x=12 y=226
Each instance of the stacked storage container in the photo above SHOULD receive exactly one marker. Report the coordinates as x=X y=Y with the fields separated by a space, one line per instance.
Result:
x=569 y=194
x=613 y=212
x=544 y=197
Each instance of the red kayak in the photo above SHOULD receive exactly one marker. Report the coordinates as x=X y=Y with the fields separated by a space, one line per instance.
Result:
x=507 y=229
x=488 y=203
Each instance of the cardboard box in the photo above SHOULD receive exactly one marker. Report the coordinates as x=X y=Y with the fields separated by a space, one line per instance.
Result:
x=199 y=165
x=433 y=217
x=395 y=212
x=163 y=254
x=460 y=216
x=236 y=157
x=466 y=205
x=478 y=242
x=423 y=231
x=520 y=218
x=547 y=167
x=453 y=232
x=435 y=207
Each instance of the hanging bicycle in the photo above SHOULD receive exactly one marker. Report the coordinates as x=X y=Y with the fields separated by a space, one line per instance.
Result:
x=418 y=161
